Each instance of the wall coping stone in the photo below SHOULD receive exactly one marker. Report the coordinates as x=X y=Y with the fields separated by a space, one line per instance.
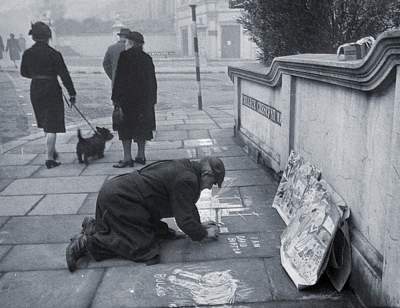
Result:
x=365 y=74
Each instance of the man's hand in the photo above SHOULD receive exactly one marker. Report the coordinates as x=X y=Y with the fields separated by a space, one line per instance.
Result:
x=72 y=100
x=212 y=232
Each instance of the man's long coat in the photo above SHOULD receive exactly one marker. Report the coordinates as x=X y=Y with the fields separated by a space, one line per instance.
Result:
x=129 y=208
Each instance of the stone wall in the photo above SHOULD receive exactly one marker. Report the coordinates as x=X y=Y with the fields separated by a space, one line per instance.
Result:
x=344 y=118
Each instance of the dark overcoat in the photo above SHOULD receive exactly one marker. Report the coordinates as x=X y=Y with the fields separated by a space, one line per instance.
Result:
x=43 y=64
x=130 y=206
x=13 y=48
x=135 y=90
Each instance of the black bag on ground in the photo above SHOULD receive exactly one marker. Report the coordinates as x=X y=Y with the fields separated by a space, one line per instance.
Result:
x=117 y=117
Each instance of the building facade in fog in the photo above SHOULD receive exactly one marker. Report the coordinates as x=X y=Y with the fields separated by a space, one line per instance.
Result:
x=219 y=33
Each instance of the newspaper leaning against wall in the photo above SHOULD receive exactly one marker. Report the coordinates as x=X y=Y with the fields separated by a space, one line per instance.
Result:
x=306 y=242
x=297 y=177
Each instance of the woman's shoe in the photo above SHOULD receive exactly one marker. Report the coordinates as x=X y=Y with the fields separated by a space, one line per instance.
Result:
x=140 y=160
x=124 y=164
x=52 y=164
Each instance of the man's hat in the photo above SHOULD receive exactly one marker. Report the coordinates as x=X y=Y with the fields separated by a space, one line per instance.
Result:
x=40 y=30
x=218 y=169
x=136 y=37
x=124 y=32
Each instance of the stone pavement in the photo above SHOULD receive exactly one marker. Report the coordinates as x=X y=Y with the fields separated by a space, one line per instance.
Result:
x=41 y=209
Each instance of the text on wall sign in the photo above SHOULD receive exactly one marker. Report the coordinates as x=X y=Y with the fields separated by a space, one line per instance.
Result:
x=267 y=111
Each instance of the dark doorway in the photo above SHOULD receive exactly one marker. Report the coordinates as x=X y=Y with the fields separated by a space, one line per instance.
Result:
x=230 y=40
x=185 y=42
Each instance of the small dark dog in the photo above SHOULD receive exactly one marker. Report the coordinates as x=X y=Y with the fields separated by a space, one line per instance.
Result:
x=93 y=146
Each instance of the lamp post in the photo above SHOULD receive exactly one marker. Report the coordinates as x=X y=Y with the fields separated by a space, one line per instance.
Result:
x=196 y=54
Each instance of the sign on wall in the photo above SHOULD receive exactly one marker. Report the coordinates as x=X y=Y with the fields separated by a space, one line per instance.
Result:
x=265 y=110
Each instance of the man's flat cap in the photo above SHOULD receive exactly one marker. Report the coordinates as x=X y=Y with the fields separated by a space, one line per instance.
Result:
x=218 y=169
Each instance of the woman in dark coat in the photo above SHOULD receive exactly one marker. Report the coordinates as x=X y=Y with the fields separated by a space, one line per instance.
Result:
x=13 y=48
x=130 y=206
x=135 y=90
x=43 y=64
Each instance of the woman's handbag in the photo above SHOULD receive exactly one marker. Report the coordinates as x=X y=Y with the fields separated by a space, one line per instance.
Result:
x=117 y=117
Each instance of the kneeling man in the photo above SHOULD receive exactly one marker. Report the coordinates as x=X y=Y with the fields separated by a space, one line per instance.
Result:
x=130 y=207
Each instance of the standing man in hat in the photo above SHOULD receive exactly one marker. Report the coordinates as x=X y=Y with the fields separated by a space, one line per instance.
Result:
x=135 y=91
x=111 y=57
x=43 y=64
x=130 y=207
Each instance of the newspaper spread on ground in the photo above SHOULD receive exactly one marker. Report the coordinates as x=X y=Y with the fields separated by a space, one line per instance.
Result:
x=297 y=177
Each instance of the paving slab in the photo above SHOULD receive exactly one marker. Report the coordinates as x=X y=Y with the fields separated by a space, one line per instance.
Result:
x=199 y=121
x=17 y=205
x=31 y=148
x=283 y=289
x=60 y=171
x=108 y=169
x=198 y=134
x=89 y=205
x=160 y=144
x=258 y=196
x=4 y=183
x=170 y=154
x=228 y=246
x=59 y=204
x=16 y=159
x=3 y=251
x=196 y=126
x=221 y=133
x=34 y=257
x=170 y=135
x=215 y=282
x=3 y=220
x=82 y=184
x=64 y=158
x=224 y=141
x=49 y=288
x=170 y=122
x=239 y=163
x=246 y=178
x=191 y=143
x=12 y=172
x=40 y=229
x=221 y=151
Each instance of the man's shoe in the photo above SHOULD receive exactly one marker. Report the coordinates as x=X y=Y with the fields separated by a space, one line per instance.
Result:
x=52 y=164
x=76 y=250
x=124 y=164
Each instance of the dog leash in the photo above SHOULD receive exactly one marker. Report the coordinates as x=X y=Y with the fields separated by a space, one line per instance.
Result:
x=80 y=113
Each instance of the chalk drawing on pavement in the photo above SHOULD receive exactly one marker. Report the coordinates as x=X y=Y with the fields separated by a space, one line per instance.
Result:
x=199 y=286
x=240 y=242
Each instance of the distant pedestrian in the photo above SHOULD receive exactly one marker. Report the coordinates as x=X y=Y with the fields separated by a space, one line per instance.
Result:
x=13 y=48
x=1 y=48
x=22 y=43
x=111 y=57
x=43 y=64
x=135 y=91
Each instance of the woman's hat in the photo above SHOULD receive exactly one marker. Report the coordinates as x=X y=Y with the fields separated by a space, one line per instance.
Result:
x=136 y=37
x=123 y=32
x=40 y=30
